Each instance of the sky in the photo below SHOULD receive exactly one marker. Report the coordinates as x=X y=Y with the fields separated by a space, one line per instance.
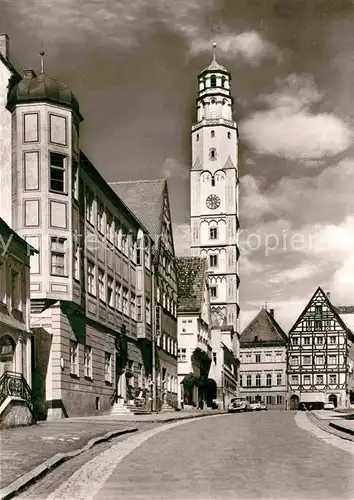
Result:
x=133 y=67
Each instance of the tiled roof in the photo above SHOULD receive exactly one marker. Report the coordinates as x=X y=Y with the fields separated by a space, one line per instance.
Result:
x=145 y=199
x=191 y=275
x=345 y=309
x=263 y=329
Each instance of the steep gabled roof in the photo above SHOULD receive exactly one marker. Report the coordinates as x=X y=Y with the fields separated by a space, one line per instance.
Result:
x=325 y=298
x=263 y=329
x=145 y=199
x=191 y=279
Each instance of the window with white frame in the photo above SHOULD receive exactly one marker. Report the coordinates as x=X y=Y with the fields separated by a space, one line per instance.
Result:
x=110 y=290
x=101 y=285
x=57 y=181
x=182 y=354
x=332 y=339
x=213 y=291
x=133 y=306
x=109 y=227
x=295 y=340
x=148 y=311
x=58 y=250
x=294 y=379
x=269 y=380
x=125 y=301
x=319 y=359
x=333 y=379
x=319 y=340
x=75 y=181
x=307 y=340
x=89 y=199
x=108 y=367
x=100 y=216
x=319 y=379
x=307 y=379
x=278 y=357
x=117 y=234
x=306 y=360
x=258 y=358
x=74 y=358
x=118 y=297
x=332 y=358
x=279 y=399
x=88 y=361
x=138 y=259
x=76 y=250
x=279 y=379
x=249 y=380
x=124 y=241
x=139 y=315
x=91 y=282
x=258 y=380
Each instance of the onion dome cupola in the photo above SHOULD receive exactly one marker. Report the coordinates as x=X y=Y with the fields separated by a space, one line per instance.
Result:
x=214 y=93
x=42 y=88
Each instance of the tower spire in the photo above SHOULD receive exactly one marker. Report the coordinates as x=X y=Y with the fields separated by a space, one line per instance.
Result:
x=214 y=51
x=42 y=53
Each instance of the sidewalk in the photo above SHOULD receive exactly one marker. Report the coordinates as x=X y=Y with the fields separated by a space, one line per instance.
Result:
x=28 y=452
x=334 y=420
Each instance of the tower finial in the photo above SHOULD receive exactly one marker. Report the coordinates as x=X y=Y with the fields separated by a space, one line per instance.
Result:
x=42 y=60
x=214 y=50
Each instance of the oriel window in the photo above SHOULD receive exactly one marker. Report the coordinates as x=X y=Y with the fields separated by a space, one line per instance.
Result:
x=57 y=172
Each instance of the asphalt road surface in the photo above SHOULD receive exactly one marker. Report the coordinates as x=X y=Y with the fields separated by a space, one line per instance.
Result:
x=270 y=455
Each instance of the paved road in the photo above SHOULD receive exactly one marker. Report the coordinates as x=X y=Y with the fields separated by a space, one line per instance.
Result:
x=249 y=456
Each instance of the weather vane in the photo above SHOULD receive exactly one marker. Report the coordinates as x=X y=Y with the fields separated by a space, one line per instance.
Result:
x=41 y=53
x=215 y=30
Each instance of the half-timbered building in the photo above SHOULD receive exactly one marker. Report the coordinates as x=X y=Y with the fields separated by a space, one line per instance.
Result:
x=320 y=356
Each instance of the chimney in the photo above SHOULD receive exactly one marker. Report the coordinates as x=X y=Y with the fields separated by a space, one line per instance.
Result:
x=271 y=311
x=4 y=45
x=328 y=295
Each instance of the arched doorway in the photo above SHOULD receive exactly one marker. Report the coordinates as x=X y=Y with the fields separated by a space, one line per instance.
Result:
x=210 y=391
x=7 y=354
x=333 y=399
x=294 y=402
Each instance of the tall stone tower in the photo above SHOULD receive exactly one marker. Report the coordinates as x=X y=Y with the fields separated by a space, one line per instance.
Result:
x=214 y=192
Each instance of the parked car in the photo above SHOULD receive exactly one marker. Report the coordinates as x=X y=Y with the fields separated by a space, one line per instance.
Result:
x=238 y=405
x=263 y=406
x=329 y=406
x=255 y=406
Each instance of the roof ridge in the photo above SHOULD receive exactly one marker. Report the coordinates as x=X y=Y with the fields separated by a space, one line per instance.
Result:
x=133 y=182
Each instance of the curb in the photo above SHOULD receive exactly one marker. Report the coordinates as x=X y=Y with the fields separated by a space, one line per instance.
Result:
x=19 y=484
x=185 y=417
x=342 y=429
x=317 y=421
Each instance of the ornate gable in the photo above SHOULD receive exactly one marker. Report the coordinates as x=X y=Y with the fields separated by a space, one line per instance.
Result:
x=319 y=315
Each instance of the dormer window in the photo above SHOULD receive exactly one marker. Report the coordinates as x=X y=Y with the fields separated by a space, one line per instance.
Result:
x=212 y=134
x=213 y=80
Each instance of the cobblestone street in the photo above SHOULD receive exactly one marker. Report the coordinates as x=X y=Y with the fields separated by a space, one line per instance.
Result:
x=248 y=456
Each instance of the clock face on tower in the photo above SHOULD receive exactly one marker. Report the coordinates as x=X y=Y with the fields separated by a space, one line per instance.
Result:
x=213 y=201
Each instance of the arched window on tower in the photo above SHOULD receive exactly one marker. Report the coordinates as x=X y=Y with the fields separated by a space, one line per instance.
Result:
x=213 y=101
x=197 y=137
x=212 y=134
x=212 y=154
x=223 y=79
x=212 y=180
x=213 y=81
x=229 y=135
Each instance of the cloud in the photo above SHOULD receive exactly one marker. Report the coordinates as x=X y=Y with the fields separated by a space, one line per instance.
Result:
x=182 y=239
x=342 y=283
x=290 y=130
x=249 y=46
x=122 y=23
x=173 y=168
x=304 y=271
